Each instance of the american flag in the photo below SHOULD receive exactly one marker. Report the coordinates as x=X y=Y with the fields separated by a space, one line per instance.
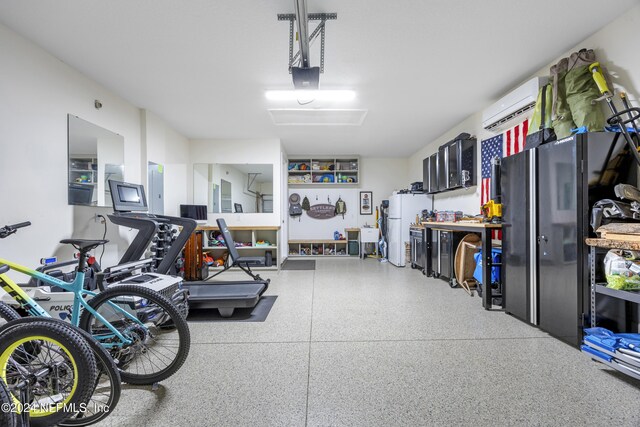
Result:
x=503 y=145
x=491 y=148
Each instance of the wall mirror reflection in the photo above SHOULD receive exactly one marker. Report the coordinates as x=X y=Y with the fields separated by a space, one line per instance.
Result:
x=95 y=156
x=233 y=188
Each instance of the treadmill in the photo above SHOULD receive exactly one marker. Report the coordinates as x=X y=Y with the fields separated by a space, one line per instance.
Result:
x=130 y=210
x=226 y=296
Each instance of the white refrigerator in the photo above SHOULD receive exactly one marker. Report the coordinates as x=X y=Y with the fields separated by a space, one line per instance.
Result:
x=403 y=209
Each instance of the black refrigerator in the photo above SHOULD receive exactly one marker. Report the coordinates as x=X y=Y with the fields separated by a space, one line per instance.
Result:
x=547 y=197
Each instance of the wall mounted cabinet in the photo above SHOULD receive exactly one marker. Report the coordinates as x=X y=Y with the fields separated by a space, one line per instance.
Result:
x=430 y=174
x=443 y=162
x=452 y=167
x=324 y=171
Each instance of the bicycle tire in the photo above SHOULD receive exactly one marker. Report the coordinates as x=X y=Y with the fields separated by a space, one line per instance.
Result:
x=106 y=368
x=8 y=418
x=141 y=347
x=8 y=313
x=76 y=356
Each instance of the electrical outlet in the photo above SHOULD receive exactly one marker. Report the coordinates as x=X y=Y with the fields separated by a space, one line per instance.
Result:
x=96 y=218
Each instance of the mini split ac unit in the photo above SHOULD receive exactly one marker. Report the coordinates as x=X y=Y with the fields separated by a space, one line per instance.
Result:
x=513 y=106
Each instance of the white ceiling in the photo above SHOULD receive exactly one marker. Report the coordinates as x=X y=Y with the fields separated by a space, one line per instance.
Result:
x=418 y=66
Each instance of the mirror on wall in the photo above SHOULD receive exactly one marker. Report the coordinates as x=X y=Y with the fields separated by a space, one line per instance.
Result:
x=95 y=156
x=233 y=188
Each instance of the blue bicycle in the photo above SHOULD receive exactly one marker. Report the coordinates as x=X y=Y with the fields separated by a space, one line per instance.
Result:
x=142 y=330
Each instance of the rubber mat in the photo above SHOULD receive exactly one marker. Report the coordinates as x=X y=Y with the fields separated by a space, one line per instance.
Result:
x=306 y=264
x=258 y=313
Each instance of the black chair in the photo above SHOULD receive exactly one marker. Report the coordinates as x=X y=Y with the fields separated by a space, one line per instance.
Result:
x=235 y=260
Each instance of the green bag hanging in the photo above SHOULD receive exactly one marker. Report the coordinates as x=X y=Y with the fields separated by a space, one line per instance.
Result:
x=574 y=93
x=581 y=95
x=540 y=125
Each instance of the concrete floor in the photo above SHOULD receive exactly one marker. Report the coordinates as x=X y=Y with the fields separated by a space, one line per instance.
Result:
x=360 y=343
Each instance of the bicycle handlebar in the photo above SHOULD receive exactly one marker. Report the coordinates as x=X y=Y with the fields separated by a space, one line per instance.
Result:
x=7 y=230
x=19 y=225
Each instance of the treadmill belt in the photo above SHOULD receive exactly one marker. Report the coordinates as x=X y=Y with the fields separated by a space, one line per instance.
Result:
x=258 y=313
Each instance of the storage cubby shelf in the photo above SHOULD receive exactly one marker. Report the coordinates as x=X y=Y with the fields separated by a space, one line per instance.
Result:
x=327 y=247
x=246 y=234
x=324 y=171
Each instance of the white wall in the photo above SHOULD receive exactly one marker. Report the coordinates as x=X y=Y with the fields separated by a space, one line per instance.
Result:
x=615 y=46
x=284 y=202
x=263 y=151
x=164 y=146
x=382 y=177
x=37 y=92
x=305 y=227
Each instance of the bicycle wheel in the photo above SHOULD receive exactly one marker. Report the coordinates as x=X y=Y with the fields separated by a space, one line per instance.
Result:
x=59 y=376
x=8 y=313
x=108 y=387
x=8 y=418
x=140 y=314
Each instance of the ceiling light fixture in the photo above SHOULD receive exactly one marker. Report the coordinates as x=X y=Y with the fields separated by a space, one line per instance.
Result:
x=317 y=95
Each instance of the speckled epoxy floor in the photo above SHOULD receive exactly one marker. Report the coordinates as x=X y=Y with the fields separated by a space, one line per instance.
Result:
x=360 y=343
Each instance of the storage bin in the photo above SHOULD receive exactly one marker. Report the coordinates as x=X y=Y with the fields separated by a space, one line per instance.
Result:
x=353 y=248
x=496 y=257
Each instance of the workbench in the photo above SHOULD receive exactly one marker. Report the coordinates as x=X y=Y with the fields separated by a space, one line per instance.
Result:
x=485 y=230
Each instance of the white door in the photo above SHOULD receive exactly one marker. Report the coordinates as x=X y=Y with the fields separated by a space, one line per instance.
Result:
x=156 y=189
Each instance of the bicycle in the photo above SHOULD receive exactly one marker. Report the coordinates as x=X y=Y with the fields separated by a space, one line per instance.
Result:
x=8 y=418
x=108 y=388
x=141 y=329
x=47 y=370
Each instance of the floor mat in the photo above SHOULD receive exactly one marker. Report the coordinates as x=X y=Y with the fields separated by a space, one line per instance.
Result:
x=258 y=313
x=306 y=264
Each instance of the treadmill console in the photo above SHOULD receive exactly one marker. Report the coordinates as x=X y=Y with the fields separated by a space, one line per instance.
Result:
x=127 y=197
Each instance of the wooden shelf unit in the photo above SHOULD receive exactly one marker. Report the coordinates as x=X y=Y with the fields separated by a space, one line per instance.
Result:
x=198 y=247
x=327 y=247
x=318 y=247
x=325 y=171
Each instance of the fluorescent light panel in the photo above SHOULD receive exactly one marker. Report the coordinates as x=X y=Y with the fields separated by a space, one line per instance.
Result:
x=309 y=95
x=316 y=117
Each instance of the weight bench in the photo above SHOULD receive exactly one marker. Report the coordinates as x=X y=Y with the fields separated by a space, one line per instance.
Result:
x=243 y=262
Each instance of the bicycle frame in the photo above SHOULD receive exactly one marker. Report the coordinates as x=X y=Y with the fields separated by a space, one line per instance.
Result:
x=76 y=287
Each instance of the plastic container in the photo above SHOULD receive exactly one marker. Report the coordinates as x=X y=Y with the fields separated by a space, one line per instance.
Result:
x=353 y=248
x=495 y=271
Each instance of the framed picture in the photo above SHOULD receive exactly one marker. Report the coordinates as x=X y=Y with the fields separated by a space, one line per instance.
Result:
x=366 y=203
